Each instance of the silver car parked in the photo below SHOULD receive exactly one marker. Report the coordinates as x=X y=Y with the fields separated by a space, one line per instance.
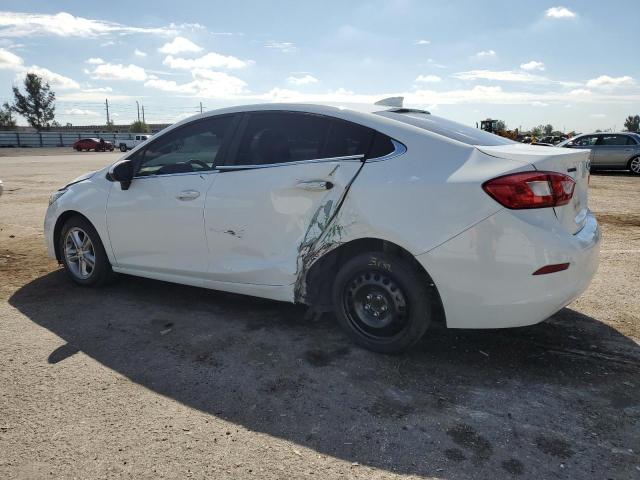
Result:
x=609 y=151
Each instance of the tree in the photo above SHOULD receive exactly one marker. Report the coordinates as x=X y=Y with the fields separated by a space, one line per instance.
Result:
x=38 y=103
x=548 y=129
x=537 y=131
x=7 y=122
x=632 y=123
x=139 y=127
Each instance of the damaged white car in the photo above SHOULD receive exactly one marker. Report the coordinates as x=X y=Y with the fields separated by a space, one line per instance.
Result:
x=392 y=219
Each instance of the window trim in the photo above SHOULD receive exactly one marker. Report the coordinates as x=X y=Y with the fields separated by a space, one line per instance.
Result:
x=223 y=152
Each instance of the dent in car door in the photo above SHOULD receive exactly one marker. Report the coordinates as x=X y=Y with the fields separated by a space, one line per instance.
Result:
x=259 y=220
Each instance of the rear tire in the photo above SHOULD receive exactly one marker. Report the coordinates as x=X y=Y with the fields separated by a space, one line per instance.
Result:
x=382 y=302
x=123 y=148
x=634 y=165
x=83 y=254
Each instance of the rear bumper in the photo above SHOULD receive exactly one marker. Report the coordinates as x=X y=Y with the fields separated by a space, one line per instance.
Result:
x=484 y=275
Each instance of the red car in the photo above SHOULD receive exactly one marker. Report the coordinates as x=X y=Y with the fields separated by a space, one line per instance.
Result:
x=95 y=144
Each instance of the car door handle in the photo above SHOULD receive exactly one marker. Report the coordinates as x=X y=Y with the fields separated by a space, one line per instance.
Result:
x=188 y=195
x=315 y=185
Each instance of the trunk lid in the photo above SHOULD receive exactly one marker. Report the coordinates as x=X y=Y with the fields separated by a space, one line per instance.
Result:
x=574 y=163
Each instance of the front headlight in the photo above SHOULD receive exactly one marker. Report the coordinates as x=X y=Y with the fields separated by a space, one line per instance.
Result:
x=56 y=195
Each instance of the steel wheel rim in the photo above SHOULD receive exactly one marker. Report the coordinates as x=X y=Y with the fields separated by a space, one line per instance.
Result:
x=375 y=305
x=635 y=165
x=79 y=253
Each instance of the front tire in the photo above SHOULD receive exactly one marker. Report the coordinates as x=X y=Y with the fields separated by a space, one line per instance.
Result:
x=382 y=302
x=83 y=256
x=634 y=165
x=123 y=148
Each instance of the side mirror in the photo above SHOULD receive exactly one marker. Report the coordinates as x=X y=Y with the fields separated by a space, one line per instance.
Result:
x=122 y=172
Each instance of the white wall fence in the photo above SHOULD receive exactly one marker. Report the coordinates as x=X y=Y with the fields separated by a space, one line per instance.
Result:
x=55 y=139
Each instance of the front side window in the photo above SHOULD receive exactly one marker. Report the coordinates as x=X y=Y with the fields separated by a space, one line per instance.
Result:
x=586 y=141
x=194 y=147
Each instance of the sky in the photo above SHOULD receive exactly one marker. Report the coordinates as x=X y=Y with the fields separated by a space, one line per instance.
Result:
x=574 y=64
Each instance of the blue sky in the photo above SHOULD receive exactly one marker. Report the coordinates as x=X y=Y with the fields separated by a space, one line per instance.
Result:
x=574 y=64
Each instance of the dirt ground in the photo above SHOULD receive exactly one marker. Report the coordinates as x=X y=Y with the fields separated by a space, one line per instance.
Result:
x=145 y=379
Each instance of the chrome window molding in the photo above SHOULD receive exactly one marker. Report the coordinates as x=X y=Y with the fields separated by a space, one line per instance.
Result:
x=164 y=175
x=398 y=149
x=348 y=158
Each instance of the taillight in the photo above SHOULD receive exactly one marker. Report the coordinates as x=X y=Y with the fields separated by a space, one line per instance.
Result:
x=531 y=189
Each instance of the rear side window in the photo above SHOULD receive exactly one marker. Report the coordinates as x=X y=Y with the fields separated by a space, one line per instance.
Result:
x=613 y=140
x=279 y=137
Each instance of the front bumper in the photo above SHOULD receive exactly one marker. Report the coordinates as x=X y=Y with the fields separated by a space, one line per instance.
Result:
x=484 y=275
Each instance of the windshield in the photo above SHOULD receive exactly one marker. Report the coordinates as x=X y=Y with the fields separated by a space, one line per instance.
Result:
x=447 y=128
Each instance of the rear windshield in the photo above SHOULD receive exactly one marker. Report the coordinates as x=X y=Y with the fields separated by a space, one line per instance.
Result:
x=447 y=128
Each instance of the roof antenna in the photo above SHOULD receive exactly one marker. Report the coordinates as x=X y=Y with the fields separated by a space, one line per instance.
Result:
x=395 y=102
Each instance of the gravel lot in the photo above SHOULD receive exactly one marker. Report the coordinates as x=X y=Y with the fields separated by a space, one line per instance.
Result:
x=145 y=379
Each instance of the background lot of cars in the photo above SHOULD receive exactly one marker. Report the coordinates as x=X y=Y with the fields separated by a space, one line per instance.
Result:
x=153 y=379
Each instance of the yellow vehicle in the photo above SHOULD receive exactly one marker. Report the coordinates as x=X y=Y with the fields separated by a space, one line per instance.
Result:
x=497 y=127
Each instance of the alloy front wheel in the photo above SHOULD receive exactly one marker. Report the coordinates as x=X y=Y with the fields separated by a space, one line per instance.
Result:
x=79 y=253
x=634 y=165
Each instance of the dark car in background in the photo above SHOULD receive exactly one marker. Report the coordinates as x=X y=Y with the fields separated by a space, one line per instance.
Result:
x=609 y=151
x=95 y=144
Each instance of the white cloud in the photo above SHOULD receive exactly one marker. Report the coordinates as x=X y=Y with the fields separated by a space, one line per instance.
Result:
x=302 y=80
x=428 y=79
x=605 y=81
x=210 y=60
x=63 y=24
x=9 y=60
x=98 y=90
x=139 y=53
x=109 y=71
x=79 y=111
x=423 y=42
x=94 y=61
x=433 y=63
x=532 y=65
x=180 y=45
x=503 y=76
x=560 y=12
x=598 y=115
x=55 y=79
x=485 y=54
x=537 y=103
x=580 y=92
x=206 y=83
x=284 y=47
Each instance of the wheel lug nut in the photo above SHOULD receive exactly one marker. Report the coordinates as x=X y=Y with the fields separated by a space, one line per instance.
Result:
x=369 y=296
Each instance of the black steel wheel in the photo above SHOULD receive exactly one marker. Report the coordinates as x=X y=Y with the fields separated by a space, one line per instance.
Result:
x=382 y=302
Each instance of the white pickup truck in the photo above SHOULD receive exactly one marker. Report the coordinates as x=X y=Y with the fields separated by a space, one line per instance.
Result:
x=128 y=144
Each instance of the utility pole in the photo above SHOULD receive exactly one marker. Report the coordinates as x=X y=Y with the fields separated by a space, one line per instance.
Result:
x=143 y=121
x=106 y=104
x=200 y=107
x=138 y=107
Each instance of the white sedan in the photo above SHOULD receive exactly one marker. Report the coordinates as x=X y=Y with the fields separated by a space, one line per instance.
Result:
x=392 y=219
